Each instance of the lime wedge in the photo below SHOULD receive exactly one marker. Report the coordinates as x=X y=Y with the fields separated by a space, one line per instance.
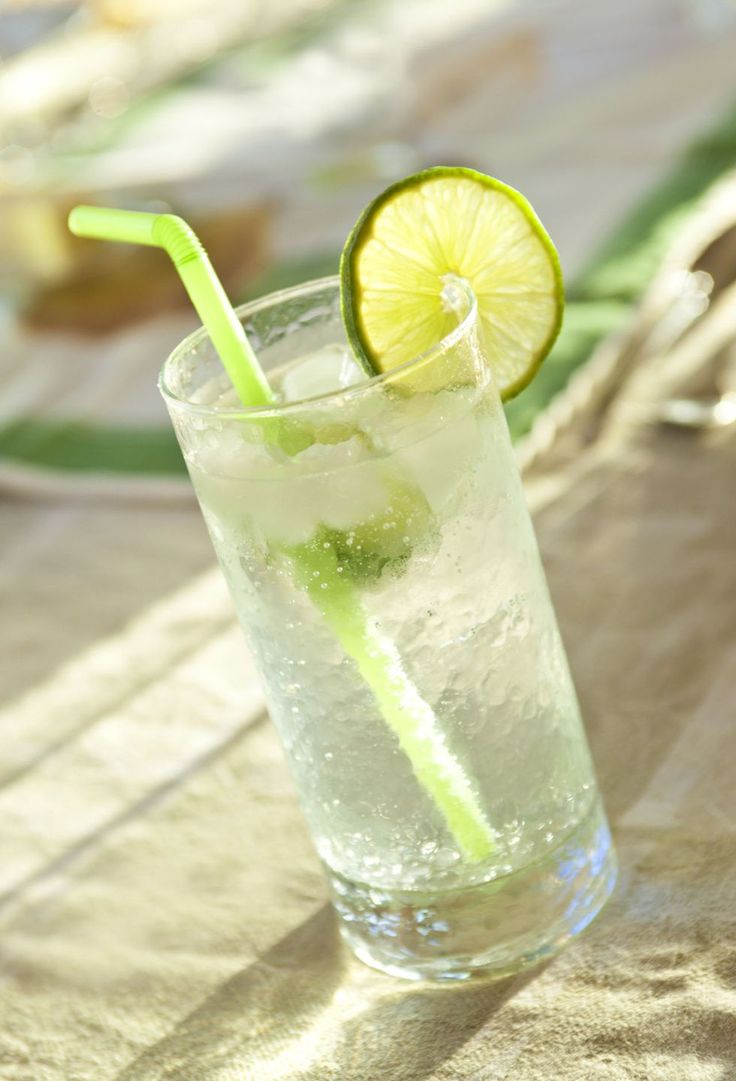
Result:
x=400 y=267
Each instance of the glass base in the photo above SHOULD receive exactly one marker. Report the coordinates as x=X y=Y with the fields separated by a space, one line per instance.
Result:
x=495 y=929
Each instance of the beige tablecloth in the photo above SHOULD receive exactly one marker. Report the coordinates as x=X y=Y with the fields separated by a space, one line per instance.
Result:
x=163 y=912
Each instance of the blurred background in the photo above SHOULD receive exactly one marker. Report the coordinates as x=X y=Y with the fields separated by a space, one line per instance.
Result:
x=270 y=123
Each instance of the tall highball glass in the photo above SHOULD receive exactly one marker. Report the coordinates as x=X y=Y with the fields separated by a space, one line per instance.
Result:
x=383 y=565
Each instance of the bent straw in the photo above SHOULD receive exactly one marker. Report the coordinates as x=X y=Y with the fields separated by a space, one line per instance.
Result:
x=186 y=252
x=403 y=709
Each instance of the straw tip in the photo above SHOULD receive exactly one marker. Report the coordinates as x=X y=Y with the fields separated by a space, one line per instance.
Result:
x=76 y=219
x=109 y=223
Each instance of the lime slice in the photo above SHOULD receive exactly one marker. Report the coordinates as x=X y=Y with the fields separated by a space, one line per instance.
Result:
x=401 y=264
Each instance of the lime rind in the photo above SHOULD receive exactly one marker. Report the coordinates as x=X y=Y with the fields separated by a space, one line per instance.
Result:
x=416 y=232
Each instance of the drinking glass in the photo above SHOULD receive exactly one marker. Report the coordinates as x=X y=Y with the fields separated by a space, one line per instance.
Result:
x=383 y=565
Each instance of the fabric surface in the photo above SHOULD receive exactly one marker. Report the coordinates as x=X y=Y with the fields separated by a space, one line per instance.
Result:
x=163 y=912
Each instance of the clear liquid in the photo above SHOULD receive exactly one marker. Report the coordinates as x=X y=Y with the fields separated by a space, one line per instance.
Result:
x=435 y=539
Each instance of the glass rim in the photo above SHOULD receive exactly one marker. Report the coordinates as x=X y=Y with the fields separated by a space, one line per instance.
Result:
x=280 y=296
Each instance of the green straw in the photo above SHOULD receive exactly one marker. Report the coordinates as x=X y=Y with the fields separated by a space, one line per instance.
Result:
x=407 y=714
x=404 y=710
x=186 y=252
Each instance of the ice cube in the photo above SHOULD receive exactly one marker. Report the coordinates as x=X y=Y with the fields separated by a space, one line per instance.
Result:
x=447 y=450
x=330 y=368
x=314 y=489
x=225 y=451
